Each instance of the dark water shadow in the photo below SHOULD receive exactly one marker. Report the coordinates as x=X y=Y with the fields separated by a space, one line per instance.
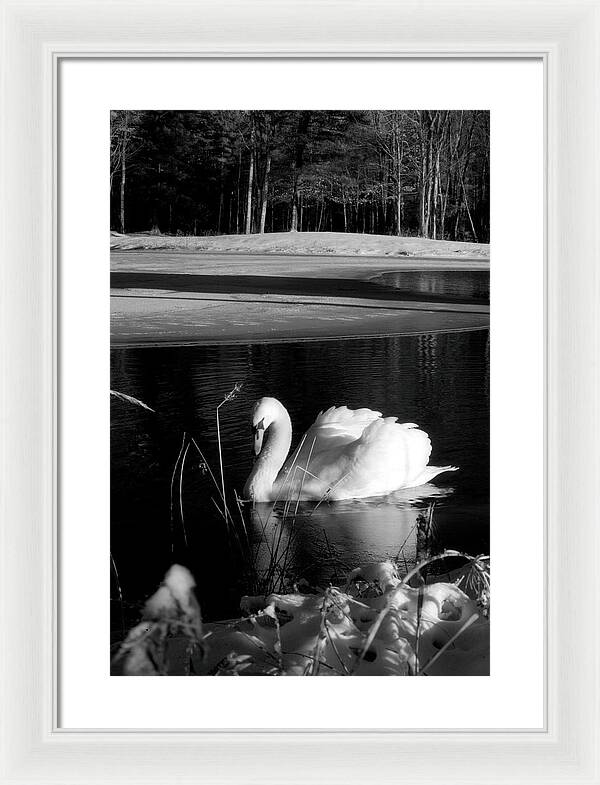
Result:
x=413 y=289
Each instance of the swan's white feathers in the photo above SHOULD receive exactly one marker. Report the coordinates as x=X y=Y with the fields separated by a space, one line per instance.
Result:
x=350 y=418
x=356 y=453
x=331 y=431
x=389 y=455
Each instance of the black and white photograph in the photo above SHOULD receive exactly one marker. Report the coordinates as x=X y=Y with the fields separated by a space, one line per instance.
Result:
x=300 y=392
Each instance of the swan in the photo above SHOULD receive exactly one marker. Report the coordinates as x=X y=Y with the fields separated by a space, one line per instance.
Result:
x=345 y=454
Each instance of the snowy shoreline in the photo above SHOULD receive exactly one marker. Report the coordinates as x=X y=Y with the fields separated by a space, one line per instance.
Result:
x=304 y=243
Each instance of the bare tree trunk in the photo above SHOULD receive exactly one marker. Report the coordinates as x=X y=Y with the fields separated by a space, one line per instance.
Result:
x=457 y=221
x=221 y=196
x=429 y=183
x=320 y=215
x=265 y=194
x=399 y=155
x=249 y=194
x=123 y=175
x=422 y=184
x=294 y=216
x=436 y=186
x=466 y=203
x=443 y=205
x=441 y=131
x=302 y=130
x=237 y=203
x=461 y=177
x=124 y=170
x=384 y=177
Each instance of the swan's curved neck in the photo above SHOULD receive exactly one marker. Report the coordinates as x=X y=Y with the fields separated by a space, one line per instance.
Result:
x=276 y=446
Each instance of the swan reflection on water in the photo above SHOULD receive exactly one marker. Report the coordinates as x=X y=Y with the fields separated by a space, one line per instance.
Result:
x=325 y=540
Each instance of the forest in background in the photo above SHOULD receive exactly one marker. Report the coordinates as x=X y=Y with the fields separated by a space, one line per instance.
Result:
x=392 y=172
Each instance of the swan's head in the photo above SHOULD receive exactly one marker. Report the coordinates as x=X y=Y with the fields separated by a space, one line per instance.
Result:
x=272 y=437
x=265 y=412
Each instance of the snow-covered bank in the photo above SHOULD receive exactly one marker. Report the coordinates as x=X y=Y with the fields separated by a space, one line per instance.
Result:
x=375 y=625
x=305 y=243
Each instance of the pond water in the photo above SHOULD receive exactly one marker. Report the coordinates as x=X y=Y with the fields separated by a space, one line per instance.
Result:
x=458 y=286
x=453 y=286
x=440 y=381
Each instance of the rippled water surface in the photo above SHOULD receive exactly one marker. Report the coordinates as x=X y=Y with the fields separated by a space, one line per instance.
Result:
x=439 y=381
x=466 y=286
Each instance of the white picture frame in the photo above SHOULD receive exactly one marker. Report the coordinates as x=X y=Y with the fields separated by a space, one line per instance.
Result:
x=566 y=35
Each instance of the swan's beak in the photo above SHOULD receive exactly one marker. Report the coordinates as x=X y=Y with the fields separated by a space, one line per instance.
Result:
x=258 y=432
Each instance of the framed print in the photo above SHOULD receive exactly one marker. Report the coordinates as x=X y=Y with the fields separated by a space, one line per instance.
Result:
x=300 y=373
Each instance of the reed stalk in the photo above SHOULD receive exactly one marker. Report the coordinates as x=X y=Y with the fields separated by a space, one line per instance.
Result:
x=120 y=592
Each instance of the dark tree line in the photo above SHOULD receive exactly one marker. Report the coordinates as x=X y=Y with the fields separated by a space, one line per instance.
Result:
x=223 y=172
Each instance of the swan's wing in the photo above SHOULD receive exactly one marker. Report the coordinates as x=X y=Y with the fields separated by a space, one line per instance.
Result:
x=389 y=455
x=345 y=420
x=332 y=431
x=355 y=454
